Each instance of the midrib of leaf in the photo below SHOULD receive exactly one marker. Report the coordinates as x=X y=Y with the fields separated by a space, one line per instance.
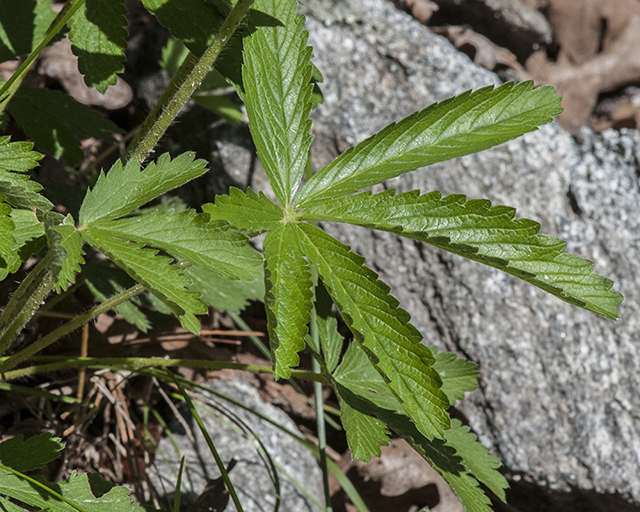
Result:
x=465 y=124
x=399 y=356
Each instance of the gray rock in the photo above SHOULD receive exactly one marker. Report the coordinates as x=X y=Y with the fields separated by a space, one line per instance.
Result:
x=558 y=400
x=250 y=476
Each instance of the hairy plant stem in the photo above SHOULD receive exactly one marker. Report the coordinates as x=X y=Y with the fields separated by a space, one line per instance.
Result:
x=63 y=363
x=11 y=86
x=183 y=84
x=320 y=425
x=24 y=302
x=71 y=326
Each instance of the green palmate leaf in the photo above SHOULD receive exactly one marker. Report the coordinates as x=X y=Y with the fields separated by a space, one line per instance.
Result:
x=22 y=26
x=331 y=340
x=381 y=327
x=210 y=245
x=65 y=245
x=98 y=38
x=459 y=376
x=52 y=120
x=31 y=454
x=164 y=280
x=76 y=490
x=225 y=294
x=125 y=188
x=106 y=282
x=464 y=124
x=475 y=230
x=287 y=297
x=476 y=458
x=276 y=74
x=251 y=213
x=17 y=156
x=359 y=385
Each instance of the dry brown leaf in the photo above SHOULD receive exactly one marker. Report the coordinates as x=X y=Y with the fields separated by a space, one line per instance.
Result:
x=598 y=52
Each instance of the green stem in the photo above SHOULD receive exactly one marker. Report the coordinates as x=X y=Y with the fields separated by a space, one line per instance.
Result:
x=11 y=86
x=183 y=84
x=322 y=435
x=24 y=302
x=71 y=326
x=63 y=363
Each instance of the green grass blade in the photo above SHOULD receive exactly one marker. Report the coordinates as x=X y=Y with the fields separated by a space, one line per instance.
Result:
x=276 y=74
x=464 y=124
x=478 y=231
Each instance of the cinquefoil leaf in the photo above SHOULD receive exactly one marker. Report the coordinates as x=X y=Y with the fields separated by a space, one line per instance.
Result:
x=365 y=434
x=357 y=383
x=77 y=490
x=20 y=192
x=7 y=227
x=382 y=328
x=52 y=120
x=125 y=188
x=26 y=238
x=98 y=38
x=210 y=245
x=331 y=340
x=225 y=294
x=276 y=74
x=17 y=156
x=22 y=26
x=464 y=124
x=459 y=376
x=163 y=279
x=251 y=213
x=476 y=458
x=287 y=297
x=31 y=454
x=477 y=231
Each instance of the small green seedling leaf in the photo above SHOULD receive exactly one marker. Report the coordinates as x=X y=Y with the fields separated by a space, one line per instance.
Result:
x=125 y=188
x=459 y=376
x=287 y=298
x=478 y=231
x=164 y=280
x=52 y=119
x=98 y=37
x=276 y=74
x=210 y=245
x=249 y=212
x=464 y=124
x=381 y=327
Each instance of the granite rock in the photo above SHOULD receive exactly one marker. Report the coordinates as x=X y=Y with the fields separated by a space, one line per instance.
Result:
x=250 y=475
x=558 y=395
